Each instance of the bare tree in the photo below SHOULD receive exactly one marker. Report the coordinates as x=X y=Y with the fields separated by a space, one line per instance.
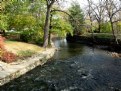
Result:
x=89 y=13
x=112 y=7
x=96 y=10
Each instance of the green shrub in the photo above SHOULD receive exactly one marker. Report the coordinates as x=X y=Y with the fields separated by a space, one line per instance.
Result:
x=34 y=35
x=106 y=28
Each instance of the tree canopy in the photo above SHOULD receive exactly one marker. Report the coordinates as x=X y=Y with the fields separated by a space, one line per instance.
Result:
x=35 y=20
x=78 y=17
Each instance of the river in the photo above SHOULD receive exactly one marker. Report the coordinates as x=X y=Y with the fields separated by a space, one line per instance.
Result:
x=74 y=67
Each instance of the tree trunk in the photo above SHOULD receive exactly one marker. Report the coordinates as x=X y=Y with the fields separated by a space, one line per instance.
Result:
x=49 y=39
x=113 y=32
x=3 y=33
x=92 y=32
x=50 y=27
x=99 y=27
x=46 y=28
x=112 y=28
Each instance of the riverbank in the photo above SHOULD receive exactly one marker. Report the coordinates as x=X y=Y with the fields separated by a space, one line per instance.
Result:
x=22 y=50
x=13 y=70
x=105 y=42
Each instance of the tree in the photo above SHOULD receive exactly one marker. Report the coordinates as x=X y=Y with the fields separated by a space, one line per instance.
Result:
x=26 y=16
x=59 y=24
x=49 y=4
x=78 y=17
x=3 y=18
x=89 y=17
x=106 y=27
x=96 y=10
x=3 y=23
x=112 y=8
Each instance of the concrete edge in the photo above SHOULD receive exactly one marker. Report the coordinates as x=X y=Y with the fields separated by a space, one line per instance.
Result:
x=27 y=65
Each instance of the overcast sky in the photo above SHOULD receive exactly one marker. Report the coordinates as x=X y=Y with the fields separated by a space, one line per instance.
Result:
x=82 y=3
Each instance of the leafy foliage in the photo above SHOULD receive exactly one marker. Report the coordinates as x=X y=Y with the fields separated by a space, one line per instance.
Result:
x=21 y=22
x=106 y=27
x=28 y=17
x=4 y=54
x=24 y=16
x=118 y=26
x=3 y=22
x=78 y=17
x=61 y=26
x=32 y=35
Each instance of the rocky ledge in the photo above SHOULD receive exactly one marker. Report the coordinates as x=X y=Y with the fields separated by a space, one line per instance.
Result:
x=13 y=70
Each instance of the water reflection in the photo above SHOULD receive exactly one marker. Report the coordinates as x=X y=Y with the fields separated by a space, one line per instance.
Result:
x=64 y=51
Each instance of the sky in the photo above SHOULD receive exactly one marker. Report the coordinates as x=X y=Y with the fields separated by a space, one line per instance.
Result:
x=82 y=3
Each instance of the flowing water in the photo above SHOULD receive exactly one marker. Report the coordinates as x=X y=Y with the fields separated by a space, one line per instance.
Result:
x=74 y=67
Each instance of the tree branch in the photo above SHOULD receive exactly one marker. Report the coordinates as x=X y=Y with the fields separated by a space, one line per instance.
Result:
x=116 y=20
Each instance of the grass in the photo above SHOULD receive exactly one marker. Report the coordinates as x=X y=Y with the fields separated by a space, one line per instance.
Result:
x=27 y=53
x=22 y=49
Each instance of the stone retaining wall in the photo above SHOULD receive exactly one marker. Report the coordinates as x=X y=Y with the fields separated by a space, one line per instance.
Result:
x=112 y=45
x=11 y=71
x=100 y=41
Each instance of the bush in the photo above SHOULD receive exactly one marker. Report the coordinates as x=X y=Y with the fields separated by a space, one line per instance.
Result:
x=2 y=47
x=34 y=35
x=25 y=37
x=4 y=54
x=8 y=57
x=106 y=27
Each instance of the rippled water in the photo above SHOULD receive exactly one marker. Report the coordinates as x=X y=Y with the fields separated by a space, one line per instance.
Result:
x=74 y=67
